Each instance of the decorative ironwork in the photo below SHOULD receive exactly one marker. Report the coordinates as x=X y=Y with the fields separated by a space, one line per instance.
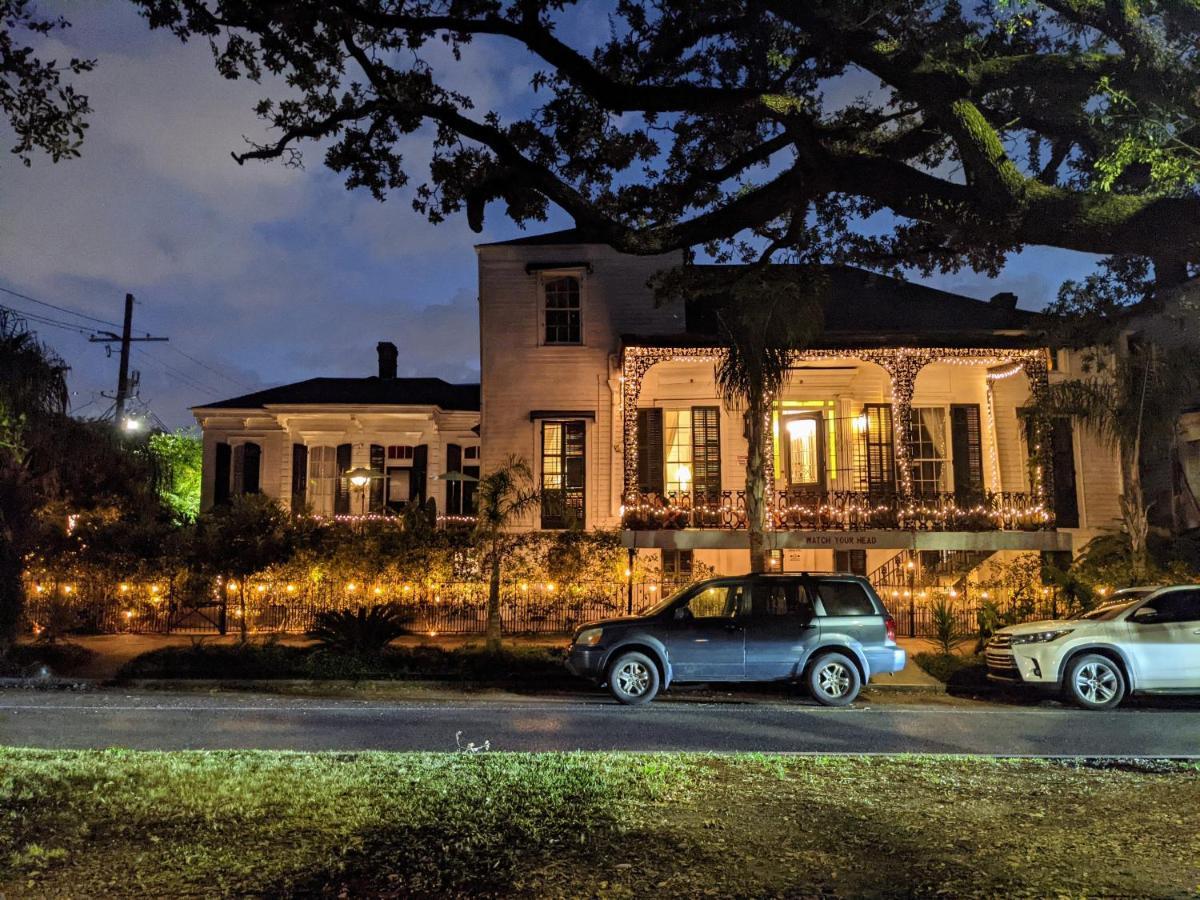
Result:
x=903 y=365
x=793 y=510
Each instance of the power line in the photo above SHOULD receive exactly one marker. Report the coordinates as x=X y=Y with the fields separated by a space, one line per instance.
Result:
x=198 y=362
x=179 y=376
x=44 y=320
x=59 y=308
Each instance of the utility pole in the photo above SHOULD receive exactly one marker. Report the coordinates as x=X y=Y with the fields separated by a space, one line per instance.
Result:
x=125 y=340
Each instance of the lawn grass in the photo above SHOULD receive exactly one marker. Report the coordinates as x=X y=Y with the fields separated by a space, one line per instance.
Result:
x=260 y=660
x=106 y=823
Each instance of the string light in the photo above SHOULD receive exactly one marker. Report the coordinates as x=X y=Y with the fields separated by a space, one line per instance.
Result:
x=902 y=364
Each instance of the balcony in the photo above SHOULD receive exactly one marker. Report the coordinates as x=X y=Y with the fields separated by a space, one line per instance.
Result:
x=793 y=510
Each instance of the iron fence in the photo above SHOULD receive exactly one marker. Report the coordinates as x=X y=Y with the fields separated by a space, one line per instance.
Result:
x=455 y=608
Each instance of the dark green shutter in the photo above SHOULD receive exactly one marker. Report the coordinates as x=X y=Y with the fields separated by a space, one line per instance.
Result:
x=706 y=451
x=966 y=445
x=650 y=450
x=341 y=495
x=222 y=473
x=377 y=484
x=881 y=448
x=251 y=468
x=420 y=472
x=299 y=477
x=1066 y=499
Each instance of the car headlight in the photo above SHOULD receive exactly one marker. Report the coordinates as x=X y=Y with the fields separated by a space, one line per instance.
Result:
x=1041 y=637
x=589 y=637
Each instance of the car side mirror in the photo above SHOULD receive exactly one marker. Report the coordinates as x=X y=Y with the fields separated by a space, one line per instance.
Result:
x=682 y=613
x=1147 y=615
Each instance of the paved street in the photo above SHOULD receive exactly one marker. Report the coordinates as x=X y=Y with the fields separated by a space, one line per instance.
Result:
x=172 y=721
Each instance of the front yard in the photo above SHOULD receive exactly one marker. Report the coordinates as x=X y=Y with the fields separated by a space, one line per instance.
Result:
x=556 y=825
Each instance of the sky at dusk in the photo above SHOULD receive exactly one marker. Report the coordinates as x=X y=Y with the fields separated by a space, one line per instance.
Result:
x=260 y=274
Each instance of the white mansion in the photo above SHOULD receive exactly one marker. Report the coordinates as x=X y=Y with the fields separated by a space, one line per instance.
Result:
x=902 y=431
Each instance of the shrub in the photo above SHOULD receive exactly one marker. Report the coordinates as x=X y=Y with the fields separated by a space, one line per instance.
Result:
x=946 y=631
x=362 y=632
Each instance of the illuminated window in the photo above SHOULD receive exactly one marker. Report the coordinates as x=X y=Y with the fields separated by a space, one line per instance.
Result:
x=927 y=449
x=802 y=440
x=322 y=479
x=677 y=434
x=562 y=474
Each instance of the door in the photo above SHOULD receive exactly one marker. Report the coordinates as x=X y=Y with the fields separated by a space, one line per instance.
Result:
x=1164 y=637
x=780 y=629
x=705 y=638
x=803 y=439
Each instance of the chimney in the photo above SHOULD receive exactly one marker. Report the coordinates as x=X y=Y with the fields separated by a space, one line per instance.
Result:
x=387 y=359
x=1005 y=300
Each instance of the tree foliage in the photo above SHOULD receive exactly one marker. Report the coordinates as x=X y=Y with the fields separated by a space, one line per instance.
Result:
x=44 y=112
x=179 y=456
x=737 y=125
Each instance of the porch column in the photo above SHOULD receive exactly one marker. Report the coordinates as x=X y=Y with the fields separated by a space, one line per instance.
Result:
x=902 y=369
x=634 y=365
x=1037 y=370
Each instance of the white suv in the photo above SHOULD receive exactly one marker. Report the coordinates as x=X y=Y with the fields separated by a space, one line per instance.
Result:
x=1144 y=642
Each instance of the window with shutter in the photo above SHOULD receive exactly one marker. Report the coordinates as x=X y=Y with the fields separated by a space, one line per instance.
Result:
x=299 y=477
x=341 y=487
x=1066 y=498
x=222 y=473
x=706 y=451
x=966 y=441
x=563 y=473
x=650 y=450
x=378 y=485
x=239 y=467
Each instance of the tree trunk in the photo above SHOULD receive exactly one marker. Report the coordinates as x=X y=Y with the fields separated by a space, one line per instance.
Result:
x=1134 y=514
x=12 y=593
x=493 y=607
x=756 y=483
x=242 y=609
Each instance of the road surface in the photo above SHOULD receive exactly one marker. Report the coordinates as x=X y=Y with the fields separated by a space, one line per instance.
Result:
x=157 y=720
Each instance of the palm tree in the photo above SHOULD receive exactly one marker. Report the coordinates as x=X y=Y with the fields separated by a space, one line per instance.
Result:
x=762 y=321
x=503 y=497
x=1132 y=406
x=33 y=390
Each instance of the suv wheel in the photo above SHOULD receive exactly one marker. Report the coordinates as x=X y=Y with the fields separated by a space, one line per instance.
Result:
x=833 y=680
x=1095 y=682
x=633 y=678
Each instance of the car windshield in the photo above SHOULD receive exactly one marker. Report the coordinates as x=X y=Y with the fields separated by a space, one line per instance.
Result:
x=1108 y=611
x=665 y=602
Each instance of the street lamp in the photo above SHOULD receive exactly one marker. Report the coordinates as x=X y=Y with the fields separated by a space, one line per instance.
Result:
x=361 y=477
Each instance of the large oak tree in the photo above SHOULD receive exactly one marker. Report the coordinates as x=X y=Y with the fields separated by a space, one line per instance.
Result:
x=981 y=128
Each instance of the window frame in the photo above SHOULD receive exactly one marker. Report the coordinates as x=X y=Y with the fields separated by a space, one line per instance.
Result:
x=944 y=461
x=545 y=281
x=549 y=520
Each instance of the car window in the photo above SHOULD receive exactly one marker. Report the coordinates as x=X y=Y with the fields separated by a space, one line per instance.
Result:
x=1107 y=612
x=845 y=598
x=1173 y=606
x=781 y=598
x=716 y=601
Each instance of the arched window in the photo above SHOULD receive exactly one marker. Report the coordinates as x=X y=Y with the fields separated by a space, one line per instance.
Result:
x=563 y=325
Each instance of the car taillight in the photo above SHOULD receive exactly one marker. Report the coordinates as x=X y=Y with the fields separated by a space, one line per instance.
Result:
x=891 y=627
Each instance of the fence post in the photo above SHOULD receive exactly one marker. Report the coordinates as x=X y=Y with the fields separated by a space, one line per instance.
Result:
x=912 y=615
x=629 y=585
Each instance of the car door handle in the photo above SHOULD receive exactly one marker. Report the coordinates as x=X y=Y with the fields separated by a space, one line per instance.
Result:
x=734 y=628
x=1197 y=631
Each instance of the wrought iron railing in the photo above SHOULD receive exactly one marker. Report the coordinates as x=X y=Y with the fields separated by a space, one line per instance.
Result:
x=794 y=510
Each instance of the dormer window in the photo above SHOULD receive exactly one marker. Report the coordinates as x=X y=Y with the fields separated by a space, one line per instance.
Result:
x=562 y=310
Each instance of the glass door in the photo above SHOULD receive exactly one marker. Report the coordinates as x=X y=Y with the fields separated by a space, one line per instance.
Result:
x=802 y=435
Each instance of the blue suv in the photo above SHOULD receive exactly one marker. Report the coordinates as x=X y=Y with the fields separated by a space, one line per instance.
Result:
x=829 y=632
